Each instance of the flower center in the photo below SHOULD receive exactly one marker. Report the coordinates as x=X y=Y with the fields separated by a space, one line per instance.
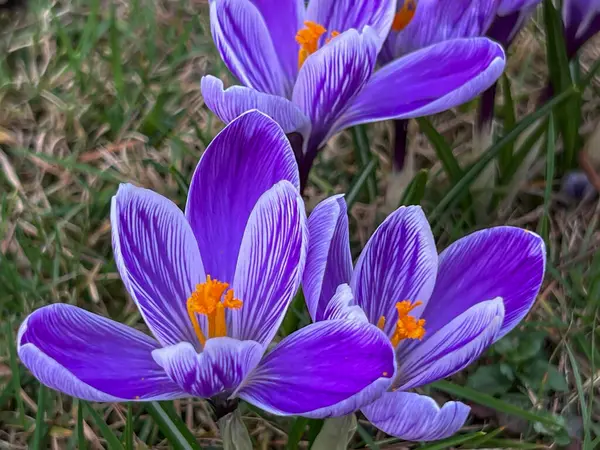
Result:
x=211 y=299
x=407 y=327
x=404 y=15
x=308 y=39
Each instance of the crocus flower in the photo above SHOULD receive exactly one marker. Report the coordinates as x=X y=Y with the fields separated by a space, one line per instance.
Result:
x=511 y=16
x=212 y=285
x=312 y=69
x=581 y=20
x=439 y=312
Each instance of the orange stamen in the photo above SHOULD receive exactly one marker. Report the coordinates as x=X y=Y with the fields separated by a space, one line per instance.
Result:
x=405 y=15
x=308 y=39
x=407 y=327
x=211 y=299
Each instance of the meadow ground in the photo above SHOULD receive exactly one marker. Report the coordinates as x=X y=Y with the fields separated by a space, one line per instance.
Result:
x=94 y=93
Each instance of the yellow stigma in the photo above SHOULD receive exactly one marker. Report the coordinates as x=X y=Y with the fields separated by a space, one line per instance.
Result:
x=308 y=39
x=404 y=15
x=211 y=299
x=407 y=327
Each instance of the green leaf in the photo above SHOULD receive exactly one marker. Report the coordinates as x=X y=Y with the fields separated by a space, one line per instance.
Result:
x=336 y=433
x=234 y=433
x=490 y=379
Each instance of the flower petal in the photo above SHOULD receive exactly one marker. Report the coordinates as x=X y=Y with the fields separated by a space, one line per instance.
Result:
x=283 y=19
x=415 y=417
x=343 y=15
x=242 y=162
x=427 y=81
x=270 y=265
x=331 y=77
x=437 y=21
x=328 y=263
x=221 y=367
x=501 y=262
x=451 y=348
x=232 y=102
x=158 y=259
x=398 y=263
x=243 y=40
x=326 y=369
x=342 y=306
x=90 y=357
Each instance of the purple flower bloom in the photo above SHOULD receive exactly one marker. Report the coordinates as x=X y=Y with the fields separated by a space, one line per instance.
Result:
x=212 y=285
x=511 y=16
x=439 y=312
x=581 y=19
x=319 y=79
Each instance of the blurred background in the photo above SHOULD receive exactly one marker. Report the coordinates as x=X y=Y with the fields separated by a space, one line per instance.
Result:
x=94 y=93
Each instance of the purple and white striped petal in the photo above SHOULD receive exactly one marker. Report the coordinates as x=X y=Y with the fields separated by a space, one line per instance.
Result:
x=427 y=81
x=329 y=262
x=158 y=259
x=450 y=349
x=398 y=263
x=236 y=100
x=342 y=306
x=437 y=21
x=220 y=367
x=331 y=77
x=414 y=417
x=242 y=162
x=270 y=264
x=93 y=358
x=326 y=369
x=504 y=262
x=283 y=19
x=343 y=15
x=244 y=42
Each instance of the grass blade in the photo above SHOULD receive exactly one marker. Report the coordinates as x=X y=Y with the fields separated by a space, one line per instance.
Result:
x=361 y=144
x=358 y=185
x=459 y=189
x=172 y=427
x=295 y=432
x=40 y=425
x=442 y=150
x=15 y=375
x=497 y=404
x=81 y=442
x=415 y=191
x=543 y=228
x=111 y=438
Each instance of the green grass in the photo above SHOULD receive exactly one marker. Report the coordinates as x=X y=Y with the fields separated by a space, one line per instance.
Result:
x=92 y=95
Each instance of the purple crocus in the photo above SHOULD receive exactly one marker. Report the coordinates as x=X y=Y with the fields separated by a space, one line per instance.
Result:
x=212 y=286
x=581 y=20
x=439 y=312
x=511 y=16
x=422 y=23
x=312 y=69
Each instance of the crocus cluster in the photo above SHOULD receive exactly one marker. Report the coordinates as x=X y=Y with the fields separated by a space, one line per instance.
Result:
x=213 y=284
x=313 y=69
